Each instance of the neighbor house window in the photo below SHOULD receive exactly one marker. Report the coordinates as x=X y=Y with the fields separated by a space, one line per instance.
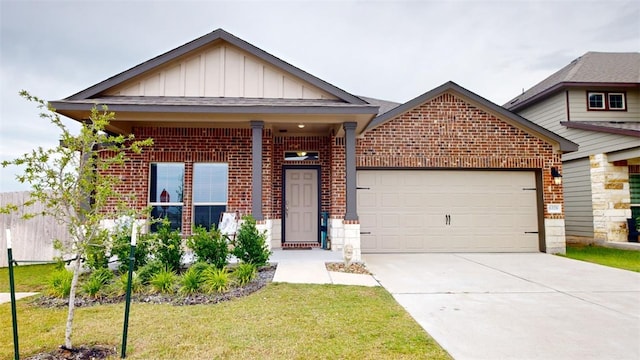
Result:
x=634 y=189
x=166 y=186
x=606 y=101
x=210 y=190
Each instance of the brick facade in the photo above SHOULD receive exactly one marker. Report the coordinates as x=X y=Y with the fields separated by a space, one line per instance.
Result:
x=450 y=133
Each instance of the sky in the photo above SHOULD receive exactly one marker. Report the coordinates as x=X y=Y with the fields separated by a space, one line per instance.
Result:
x=391 y=50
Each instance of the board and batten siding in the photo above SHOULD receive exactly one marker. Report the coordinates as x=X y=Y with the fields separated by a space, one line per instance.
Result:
x=550 y=112
x=32 y=239
x=220 y=71
x=577 y=198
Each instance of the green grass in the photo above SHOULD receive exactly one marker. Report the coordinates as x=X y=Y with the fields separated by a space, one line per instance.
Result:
x=618 y=258
x=27 y=278
x=281 y=321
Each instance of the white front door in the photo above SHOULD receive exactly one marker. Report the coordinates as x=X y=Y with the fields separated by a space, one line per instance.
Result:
x=301 y=205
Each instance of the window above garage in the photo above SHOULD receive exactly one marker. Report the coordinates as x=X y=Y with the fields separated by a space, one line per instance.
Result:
x=601 y=100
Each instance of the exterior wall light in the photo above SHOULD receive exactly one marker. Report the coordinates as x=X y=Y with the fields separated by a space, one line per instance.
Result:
x=301 y=126
x=557 y=178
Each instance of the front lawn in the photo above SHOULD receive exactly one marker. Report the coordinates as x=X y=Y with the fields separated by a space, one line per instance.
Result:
x=618 y=258
x=281 y=321
x=28 y=278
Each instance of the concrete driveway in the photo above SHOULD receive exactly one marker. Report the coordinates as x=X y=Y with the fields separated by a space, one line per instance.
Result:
x=517 y=306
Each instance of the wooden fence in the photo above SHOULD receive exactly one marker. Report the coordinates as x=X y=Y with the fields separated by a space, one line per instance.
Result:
x=32 y=239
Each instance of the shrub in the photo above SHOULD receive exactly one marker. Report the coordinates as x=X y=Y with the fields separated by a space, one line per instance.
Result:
x=92 y=287
x=163 y=281
x=191 y=280
x=59 y=283
x=244 y=273
x=120 y=286
x=209 y=246
x=97 y=251
x=168 y=247
x=121 y=248
x=250 y=246
x=216 y=280
x=147 y=271
x=199 y=267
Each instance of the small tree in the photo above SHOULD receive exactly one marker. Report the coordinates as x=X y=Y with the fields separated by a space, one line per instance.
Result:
x=250 y=245
x=71 y=181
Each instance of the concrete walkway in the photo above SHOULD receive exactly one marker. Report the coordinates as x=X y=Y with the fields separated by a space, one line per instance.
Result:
x=6 y=297
x=517 y=306
x=308 y=267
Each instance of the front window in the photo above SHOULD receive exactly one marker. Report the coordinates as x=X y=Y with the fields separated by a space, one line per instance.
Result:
x=166 y=185
x=210 y=188
x=596 y=101
x=606 y=101
x=616 y=101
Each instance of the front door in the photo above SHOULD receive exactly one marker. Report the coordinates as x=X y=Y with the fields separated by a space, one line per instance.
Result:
x=301 y=205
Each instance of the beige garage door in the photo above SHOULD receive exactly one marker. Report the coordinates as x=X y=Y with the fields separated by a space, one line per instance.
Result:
x=447 y=211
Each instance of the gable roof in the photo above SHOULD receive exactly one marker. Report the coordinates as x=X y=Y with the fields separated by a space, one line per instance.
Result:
x=590 y=69
x=565 y=145
x=205 y=40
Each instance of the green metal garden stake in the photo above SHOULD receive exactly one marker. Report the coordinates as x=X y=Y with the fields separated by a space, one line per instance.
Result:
x=14 y=316
x=134 y=235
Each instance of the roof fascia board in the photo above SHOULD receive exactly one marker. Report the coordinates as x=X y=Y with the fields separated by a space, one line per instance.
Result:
x=230 y=109
x=562 y=86
x=210 y=38
x=565 y=145
x=598 y=128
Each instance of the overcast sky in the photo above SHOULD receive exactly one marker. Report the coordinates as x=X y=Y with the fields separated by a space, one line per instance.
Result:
x=392 y=50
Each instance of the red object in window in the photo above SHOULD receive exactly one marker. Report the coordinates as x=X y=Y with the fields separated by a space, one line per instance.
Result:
x=165 y=197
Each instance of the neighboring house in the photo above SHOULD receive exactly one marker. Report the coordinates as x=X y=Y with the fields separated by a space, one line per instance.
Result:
x=237 y=129
x=595 y=102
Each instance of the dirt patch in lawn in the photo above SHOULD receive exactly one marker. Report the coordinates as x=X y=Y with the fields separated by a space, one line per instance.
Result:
x=80 y=353
x=353 y=268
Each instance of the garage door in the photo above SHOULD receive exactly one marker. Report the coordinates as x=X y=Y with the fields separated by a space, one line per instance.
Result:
x=447 y=211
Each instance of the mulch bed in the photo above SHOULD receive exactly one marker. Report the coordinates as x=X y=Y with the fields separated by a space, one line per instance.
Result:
x=83 y=352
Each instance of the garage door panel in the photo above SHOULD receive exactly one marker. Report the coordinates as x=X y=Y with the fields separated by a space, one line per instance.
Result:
x=423 y=211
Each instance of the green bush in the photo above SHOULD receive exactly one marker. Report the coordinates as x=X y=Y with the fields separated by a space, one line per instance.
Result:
x=199 y=267
x=168 y=248
x=147 y=271
x=209 y=246
x=163 y=281
x=59 y=283
x=96 y=281
x=216 y=280
x=244 y=273
x=120 y=285
x=250 y=246
x=97 y=251
x=121 y=248
x=191 y=280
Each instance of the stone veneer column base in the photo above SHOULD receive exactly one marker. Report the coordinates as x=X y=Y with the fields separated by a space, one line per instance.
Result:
x=611 y=199
x=342 y=234
x=555 y=236
x=266 y=225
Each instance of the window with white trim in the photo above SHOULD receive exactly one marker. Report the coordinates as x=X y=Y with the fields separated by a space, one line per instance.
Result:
x=210 y=189
x=598 y=100
x=166 y=186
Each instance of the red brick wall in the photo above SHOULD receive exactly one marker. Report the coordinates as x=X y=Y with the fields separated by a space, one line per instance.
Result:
x=187 y=146
x=448 y=132
x=338 y=178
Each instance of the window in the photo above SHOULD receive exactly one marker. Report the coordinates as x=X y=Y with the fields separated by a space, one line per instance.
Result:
x=166 y=186
x=210 y=188
x=300 y=155
x=616 y=101
x=606 y=101
x=634 y=189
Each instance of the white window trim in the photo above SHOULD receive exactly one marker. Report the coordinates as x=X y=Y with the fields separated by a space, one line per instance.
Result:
x=624 y=103
x=604 y=100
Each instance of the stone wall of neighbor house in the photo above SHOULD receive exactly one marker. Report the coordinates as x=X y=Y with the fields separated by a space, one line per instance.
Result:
x=448 y=132
x=611 y=199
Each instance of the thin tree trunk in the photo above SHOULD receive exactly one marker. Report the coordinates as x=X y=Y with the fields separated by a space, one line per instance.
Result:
x=72 y=302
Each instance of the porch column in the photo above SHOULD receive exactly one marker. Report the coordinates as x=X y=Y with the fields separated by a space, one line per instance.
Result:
x=256 y=170
x=350 y=165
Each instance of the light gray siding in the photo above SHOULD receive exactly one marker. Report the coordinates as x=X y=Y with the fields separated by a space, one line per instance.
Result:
x=550 y=112
x=576 y=180
x=579 y=112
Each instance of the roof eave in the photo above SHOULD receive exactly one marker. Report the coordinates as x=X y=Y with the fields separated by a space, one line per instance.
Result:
x=598 y=128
